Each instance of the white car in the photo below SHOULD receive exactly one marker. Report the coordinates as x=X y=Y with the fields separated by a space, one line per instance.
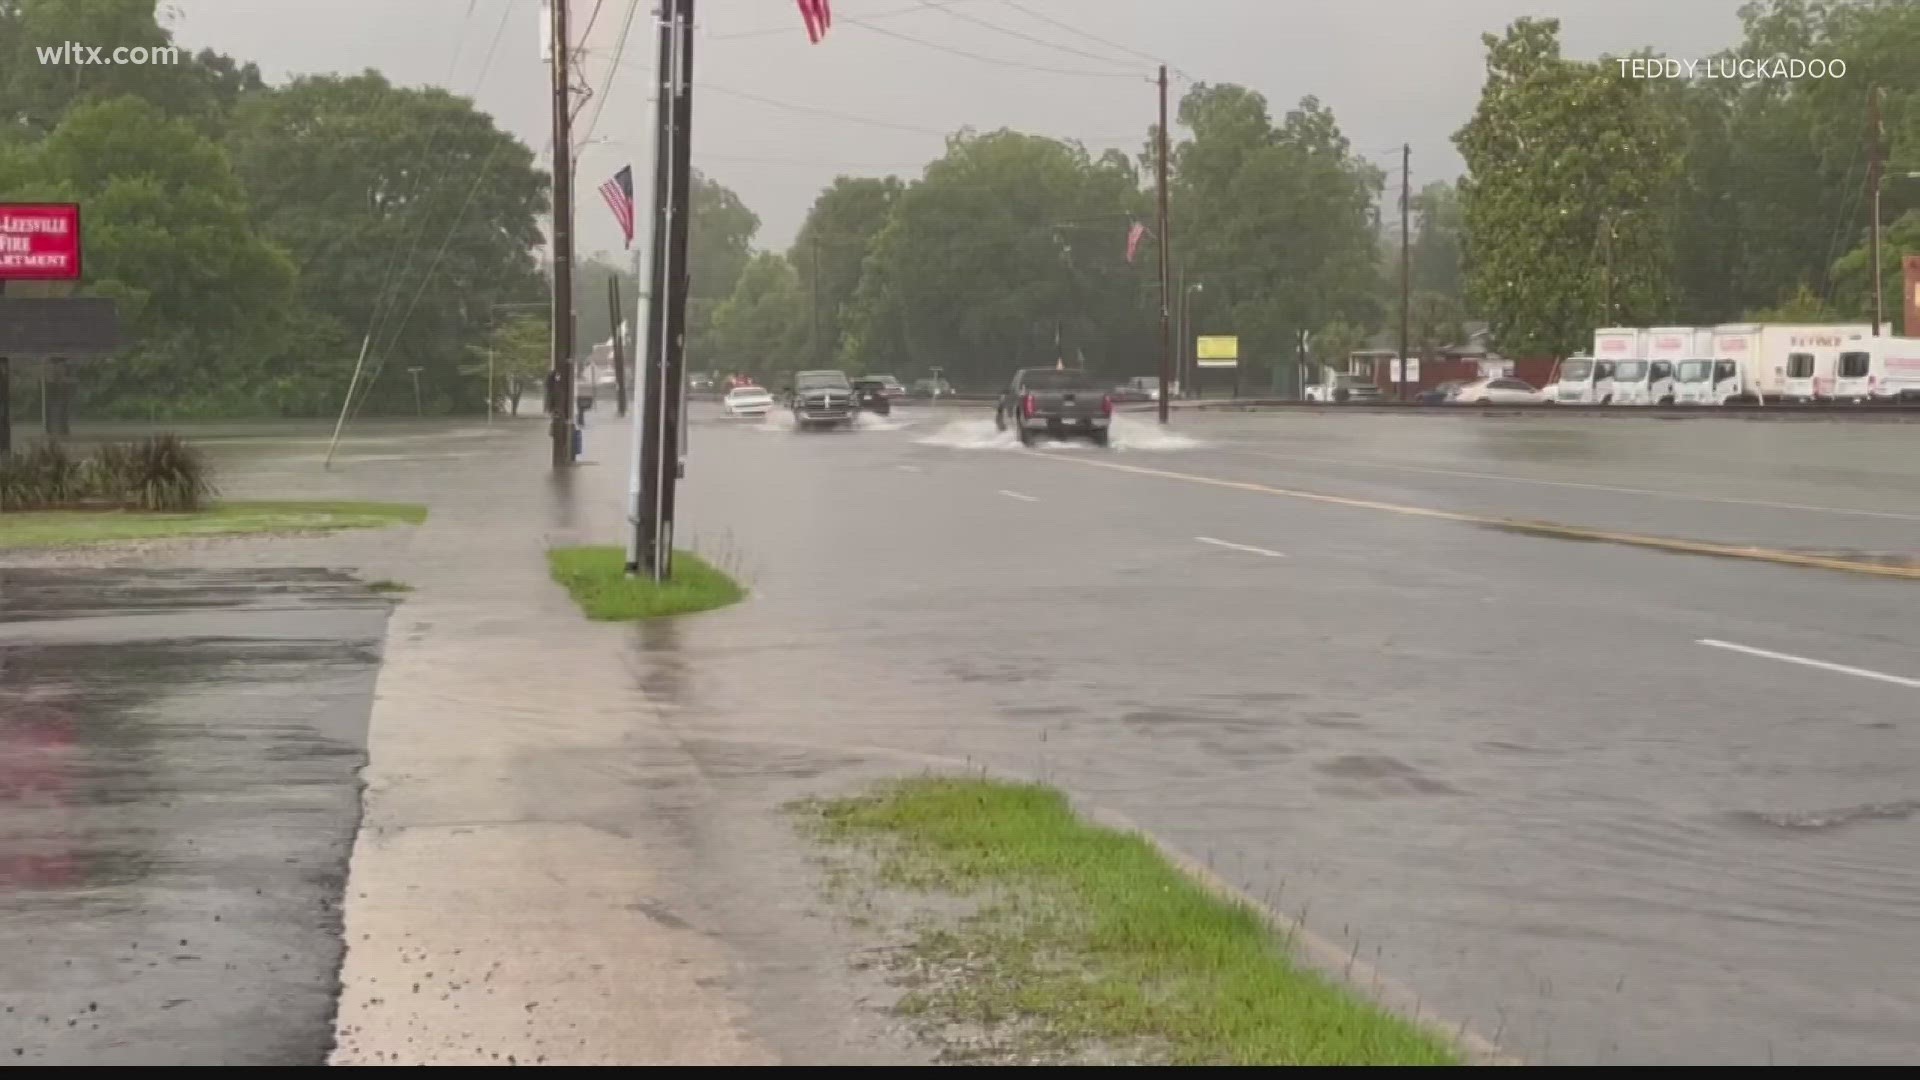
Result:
x=747 y=401
x=1496 y=392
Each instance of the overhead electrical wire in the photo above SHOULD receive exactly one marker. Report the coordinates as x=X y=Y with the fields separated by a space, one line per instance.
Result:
x=1072 y=29
x=997 y=61
x=976 y=20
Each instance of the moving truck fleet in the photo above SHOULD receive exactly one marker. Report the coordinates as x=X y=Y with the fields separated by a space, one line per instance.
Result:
x=1740 y=363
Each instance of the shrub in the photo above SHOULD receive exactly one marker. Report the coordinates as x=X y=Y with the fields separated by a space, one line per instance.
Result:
x=163 y=472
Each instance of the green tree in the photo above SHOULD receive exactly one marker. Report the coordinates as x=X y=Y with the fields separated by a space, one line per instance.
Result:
x=1804 y=306
x=830 y=256
x=753 y=330
x=1568 y=164
x=1009 y=243
x=517 y=355
x=205 y=300
x=719 y=238
x=1434 y=262
x=1278 y=221
x=408 y=212
x=201 y=88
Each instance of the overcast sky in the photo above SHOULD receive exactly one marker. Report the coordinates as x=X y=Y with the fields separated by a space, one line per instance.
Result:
x=869 y=102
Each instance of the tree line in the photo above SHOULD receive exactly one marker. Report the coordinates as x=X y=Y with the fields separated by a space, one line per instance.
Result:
x=257 y=236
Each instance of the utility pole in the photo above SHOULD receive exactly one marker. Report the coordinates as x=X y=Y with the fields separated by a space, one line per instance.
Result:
x=1876 y=164
x=813 y=242
x=1406 y=264
x=644 y=483
x=614 y=335
x=673 y=398
x=1166 y=306
x=560 y=375
x=419 y=409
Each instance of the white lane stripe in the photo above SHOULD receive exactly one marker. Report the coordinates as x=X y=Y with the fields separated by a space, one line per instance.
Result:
x=1881 y=676
x=1240 y=547
x=1723 y=500
x=1017 y=495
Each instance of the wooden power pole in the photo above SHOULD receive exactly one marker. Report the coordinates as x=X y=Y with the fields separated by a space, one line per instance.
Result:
x=1166 y=306
x=1876 y=166
x=560 y=375
x=1406 y=264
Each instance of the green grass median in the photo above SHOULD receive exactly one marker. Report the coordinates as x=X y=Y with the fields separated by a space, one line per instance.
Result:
x=596 y=577
x=1084 y=936
x=68 y=528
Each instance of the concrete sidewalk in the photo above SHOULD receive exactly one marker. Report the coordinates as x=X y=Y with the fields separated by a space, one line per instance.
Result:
x=544 y=874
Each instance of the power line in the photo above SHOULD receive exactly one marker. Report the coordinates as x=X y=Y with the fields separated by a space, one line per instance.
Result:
x=613 y=68
x=787 y=28
x=1009 y=32
x=998 y=61
x=377 y=319
x=1072 y=29
x=807 y=110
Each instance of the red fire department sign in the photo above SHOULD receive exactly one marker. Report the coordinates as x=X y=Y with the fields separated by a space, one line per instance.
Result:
x=39 y=241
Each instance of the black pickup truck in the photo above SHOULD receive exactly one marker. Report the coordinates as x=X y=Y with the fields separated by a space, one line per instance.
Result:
x=1057 y=403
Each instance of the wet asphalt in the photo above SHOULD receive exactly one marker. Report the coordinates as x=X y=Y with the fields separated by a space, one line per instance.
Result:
x=178 y=794
x=1503 y=767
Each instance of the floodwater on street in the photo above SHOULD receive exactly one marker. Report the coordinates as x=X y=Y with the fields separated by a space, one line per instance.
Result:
x=1606 y=804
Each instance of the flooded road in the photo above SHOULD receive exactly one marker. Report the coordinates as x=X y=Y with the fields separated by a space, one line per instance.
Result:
x=1505 y=767
x=1607 y=804
x=178 y=791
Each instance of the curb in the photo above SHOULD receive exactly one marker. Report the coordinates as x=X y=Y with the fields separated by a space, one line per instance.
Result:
x=1319 y=953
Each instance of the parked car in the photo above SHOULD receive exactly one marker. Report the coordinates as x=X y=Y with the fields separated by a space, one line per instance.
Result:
x=931 y=388
x=1142 y=388
x=1344 y=388
x=871 y=393
x=1496 y=392
x=747 y=401
x=1056 y=402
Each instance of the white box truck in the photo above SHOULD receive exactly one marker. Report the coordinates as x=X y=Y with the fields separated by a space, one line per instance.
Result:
x=1649 y=378
x=1722 y=369
x=1588 y=380
x=1804 y=360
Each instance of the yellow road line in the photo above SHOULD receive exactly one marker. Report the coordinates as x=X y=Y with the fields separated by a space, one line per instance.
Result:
x=1537 y=528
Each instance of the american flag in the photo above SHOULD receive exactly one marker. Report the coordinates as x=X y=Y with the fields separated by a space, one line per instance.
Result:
x=1133 y=239
x=818 y=16
x=619 y=194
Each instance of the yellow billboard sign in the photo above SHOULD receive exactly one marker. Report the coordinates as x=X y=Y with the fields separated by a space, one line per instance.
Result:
x=1217 y=351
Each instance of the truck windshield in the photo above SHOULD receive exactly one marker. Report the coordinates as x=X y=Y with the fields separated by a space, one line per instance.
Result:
x=1630 y=371
x=834 y=381
x=1576 y=371
x=1695 y=370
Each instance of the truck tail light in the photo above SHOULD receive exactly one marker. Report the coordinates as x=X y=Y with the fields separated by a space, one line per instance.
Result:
x=1026 y=406
x=1106 y=405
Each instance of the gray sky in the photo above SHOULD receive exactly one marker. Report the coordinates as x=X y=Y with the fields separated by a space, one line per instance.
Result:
x=1391 y=70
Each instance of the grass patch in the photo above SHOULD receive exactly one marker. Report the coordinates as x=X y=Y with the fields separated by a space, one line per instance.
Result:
x=597 y=578
x=386 y=586
x=1088 y=936
x=65 y=528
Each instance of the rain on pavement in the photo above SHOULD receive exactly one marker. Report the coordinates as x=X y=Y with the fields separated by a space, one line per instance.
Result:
x=1503 y=767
